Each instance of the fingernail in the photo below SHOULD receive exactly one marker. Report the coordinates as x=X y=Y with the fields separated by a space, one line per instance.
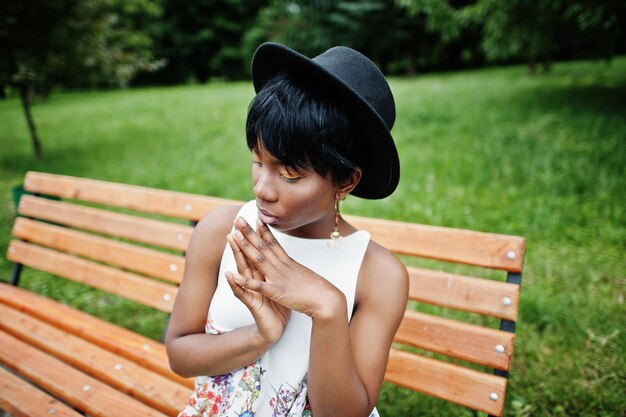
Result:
x=238 y=235
x=241 y=221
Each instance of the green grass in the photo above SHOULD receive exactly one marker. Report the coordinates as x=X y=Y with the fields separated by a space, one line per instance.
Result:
x=543 y=157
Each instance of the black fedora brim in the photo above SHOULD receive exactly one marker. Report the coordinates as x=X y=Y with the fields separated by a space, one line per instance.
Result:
x=381 y=170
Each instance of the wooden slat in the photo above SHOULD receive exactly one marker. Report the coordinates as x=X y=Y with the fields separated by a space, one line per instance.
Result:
x=21 y=399
x=475 y=295
x=458 y=340
x=149 y=200
x=450 y=382
x=488 y=250
x=154 y=232
x=133 y=346
x=85 y=393
x=131 y=257
x=134 y=287
x=449 y=244
x=124 y=375
x=480 y=345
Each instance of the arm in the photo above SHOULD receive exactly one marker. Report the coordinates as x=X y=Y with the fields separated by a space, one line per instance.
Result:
x=348 y=360
x=190 y=350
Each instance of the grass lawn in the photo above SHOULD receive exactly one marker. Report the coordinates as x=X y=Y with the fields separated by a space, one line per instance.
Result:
x=497 y=150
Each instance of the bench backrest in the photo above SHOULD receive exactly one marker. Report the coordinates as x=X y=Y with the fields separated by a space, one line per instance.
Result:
x=140 y=257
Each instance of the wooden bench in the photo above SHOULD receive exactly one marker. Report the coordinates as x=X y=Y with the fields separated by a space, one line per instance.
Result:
x=59 y=360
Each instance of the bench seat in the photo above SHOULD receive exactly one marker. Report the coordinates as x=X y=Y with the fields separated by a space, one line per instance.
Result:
x=456 y=340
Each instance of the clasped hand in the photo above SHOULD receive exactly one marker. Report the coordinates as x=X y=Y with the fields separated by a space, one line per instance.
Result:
x=271 y=284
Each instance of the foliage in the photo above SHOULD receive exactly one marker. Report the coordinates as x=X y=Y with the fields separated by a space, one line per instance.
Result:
x=201 y=39
x=492 y=150
x=519 y=29
x=312 y=27
x=304 y=26
x=600 y=25
x=73 y=43
x=535 y=31
x=87 y=42
x=116 y=42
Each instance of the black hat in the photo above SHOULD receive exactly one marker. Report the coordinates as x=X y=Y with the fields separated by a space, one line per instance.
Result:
x=363 y=89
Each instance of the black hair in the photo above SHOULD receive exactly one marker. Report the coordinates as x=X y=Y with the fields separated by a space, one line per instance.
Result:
x=303 y=124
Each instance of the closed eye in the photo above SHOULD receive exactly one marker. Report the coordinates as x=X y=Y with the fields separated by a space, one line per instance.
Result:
x=290 y=180
x=289 y=175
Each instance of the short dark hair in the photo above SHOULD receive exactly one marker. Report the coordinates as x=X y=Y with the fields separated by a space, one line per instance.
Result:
x=303 y=124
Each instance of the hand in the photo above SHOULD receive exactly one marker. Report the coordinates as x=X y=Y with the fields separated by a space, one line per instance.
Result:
x=280 y=278
x=270 y=318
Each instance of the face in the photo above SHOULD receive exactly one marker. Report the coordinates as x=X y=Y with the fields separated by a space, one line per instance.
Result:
x=299 y=203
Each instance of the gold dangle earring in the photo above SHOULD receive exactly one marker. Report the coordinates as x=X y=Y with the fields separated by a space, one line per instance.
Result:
x=335 y=235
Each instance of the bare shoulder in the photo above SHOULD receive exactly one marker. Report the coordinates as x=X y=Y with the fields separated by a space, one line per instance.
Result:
x=217 y=220
x=206 y=246
x=209 y=235
x=383 y=275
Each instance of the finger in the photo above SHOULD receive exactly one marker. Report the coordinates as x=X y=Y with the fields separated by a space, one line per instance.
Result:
x=252 y=237
x=243 y=266
x=266 y=234
x=245 y=296
x=261 y=287
x=254 y=257
x=238 y=290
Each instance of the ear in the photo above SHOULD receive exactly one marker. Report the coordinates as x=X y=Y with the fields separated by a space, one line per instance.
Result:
x=342 y=190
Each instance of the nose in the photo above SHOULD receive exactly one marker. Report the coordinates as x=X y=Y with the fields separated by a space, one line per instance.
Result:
x=264 y=188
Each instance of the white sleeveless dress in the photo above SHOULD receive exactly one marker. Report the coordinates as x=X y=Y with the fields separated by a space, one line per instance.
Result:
x=276 y=384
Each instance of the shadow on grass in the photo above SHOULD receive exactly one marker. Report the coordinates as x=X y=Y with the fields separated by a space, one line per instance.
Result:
x=576 y=100
x=66 y=158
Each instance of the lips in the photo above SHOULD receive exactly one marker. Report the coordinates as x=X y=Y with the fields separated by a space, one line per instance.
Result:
x=267 y=217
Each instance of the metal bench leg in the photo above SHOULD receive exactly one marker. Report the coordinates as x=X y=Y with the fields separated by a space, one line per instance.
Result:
x=15 y=276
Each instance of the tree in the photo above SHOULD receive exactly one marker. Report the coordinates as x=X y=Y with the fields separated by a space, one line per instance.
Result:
x=303 y=26
x=532 y=30
x=73 y=43
x=381 y=29
x=526 y=29
x=201 y=39
x=599 y=25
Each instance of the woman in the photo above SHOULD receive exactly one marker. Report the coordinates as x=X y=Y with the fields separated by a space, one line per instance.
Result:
x=285 y=308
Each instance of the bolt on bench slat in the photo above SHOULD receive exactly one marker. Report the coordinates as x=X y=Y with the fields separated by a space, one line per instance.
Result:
x=450 y=382
x=148 y=200
x=128 y=256
x=480 y=345
x=124 y=375
x=488 y=250
x=134 y=287
x=21 y=399
x=475 y=295
x=121 y=341
x=139 y=229
x=87 y=394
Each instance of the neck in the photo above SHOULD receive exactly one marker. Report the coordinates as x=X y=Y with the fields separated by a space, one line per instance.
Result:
x=318 y=229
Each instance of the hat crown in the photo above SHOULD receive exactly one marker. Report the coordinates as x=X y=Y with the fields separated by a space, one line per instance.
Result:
x=360 y=74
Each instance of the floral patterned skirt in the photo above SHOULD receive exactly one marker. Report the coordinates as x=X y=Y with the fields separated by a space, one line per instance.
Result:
x=242 y=394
